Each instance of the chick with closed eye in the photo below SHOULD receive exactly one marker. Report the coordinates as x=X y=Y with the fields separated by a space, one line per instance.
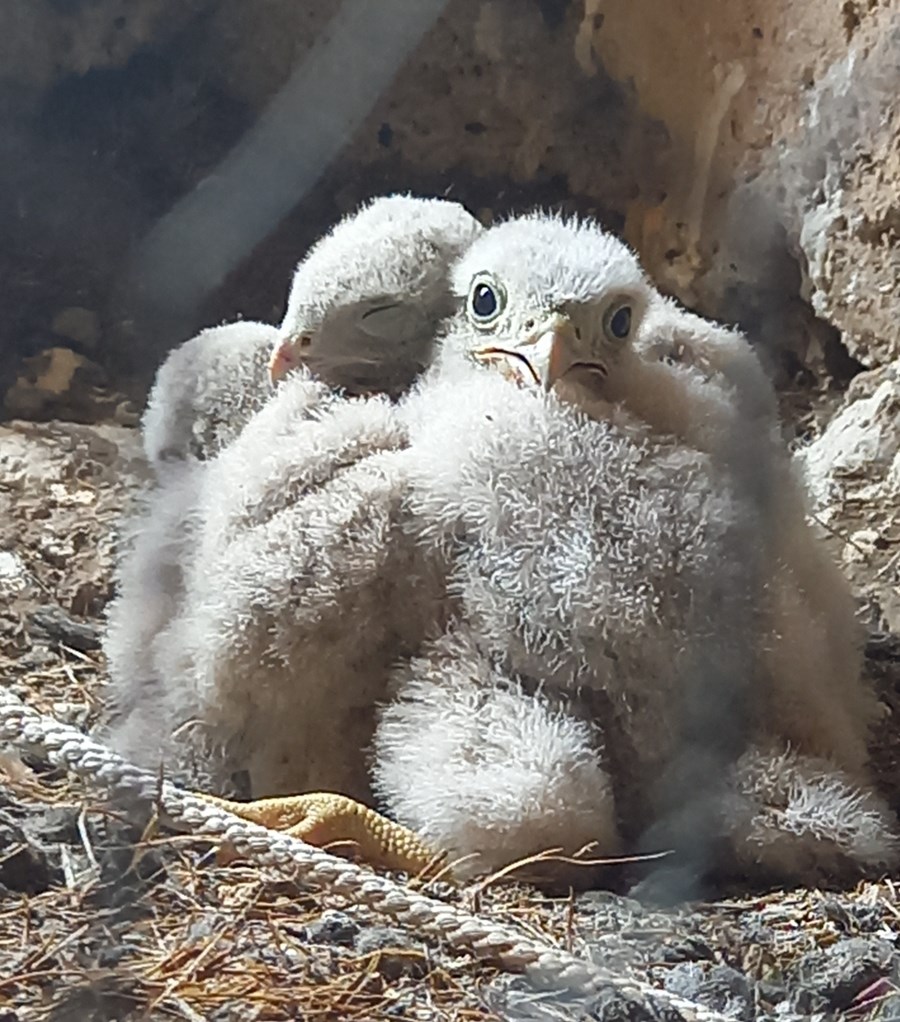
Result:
x=362 y=311
x=206 y=547
x=366 y=301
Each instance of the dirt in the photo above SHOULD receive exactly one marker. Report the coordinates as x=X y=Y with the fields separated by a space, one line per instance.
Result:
x=102 y=917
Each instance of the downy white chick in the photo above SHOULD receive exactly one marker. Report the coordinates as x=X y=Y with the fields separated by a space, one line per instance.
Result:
x=702 y=384
x=362 y=312
x=623 y=569
x=366 y=297
x=203 y=394
x=714 y=396
x=299 y=538
x=369 y=294
x=366 y=301
x=296 y=535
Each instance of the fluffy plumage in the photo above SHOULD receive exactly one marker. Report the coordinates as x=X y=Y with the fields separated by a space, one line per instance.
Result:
x=295 y=535
x=500 y=771
x=694 y=377
x=583 y=558
x=702 y=383
x=794 y=815
x=362 y=312
x=369 y=295
x=205 y=391
x=203 y=395
x=613 y=562
x=555 y=609
x=157 y=542
x=366 y=301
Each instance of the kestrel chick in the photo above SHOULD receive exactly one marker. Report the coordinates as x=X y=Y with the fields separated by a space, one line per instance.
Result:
x=621 y=565
x=566 y=306
x=366 y=301
x=362 y=312
x=549 y=300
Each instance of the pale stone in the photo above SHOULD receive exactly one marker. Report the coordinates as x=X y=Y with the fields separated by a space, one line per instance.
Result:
x=859 y=446
x=13 y=573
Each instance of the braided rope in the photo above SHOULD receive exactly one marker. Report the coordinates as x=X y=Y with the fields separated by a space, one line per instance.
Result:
x=544 y=964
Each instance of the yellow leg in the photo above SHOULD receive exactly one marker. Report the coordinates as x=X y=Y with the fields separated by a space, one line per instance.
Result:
x=323 y=818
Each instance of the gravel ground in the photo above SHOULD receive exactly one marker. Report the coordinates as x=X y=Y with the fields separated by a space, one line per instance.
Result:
x=104 y=919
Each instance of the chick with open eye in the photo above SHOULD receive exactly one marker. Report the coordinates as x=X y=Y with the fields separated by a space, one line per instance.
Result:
x=596 y=341
x=618 y=350
x=620 y=570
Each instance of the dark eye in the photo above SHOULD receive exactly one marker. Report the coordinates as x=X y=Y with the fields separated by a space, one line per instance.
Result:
x=618 y=324
x=484 y=301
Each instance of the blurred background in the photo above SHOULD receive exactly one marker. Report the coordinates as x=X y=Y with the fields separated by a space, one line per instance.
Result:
x=749 y=151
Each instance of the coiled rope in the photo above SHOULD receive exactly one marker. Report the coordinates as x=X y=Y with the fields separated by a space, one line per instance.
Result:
x=545 y=965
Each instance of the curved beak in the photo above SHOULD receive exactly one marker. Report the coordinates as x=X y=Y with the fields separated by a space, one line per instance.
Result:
x=547 y=353
x=284 y=358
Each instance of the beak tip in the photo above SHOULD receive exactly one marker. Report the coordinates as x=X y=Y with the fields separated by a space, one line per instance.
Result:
x=281 y=362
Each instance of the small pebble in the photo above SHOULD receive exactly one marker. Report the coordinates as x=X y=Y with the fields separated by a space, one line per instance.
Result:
x=720 y=987
x=333 y=927
x=831 y=978
x=400 y=955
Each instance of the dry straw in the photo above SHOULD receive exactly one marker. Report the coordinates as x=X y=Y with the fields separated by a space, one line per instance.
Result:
x=549 y=967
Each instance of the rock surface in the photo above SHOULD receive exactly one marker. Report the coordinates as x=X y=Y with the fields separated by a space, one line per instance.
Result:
x=853 y=474
x=750 y=153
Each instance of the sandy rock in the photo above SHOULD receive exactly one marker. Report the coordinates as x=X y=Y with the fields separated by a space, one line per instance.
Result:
x=852 y=472
x=749 y=152
x=858 y=448
x=59 y=381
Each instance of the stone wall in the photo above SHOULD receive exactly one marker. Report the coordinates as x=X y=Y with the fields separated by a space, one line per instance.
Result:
x=750 y=152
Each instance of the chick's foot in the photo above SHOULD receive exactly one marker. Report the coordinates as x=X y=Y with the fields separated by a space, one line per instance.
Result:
x=327 y=819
